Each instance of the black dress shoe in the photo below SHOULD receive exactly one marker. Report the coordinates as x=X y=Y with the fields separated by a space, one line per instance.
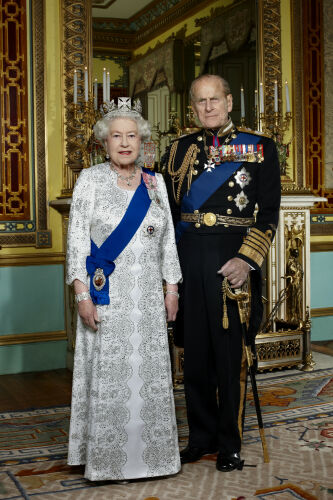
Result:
x=229 y=462
x=192 y=454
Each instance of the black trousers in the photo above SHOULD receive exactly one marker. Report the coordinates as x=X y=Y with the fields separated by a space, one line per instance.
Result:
x=214 y=359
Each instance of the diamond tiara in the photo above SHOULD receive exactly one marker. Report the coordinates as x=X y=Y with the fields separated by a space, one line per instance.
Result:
x=110 y=108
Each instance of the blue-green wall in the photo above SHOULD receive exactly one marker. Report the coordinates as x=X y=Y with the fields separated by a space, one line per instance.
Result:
x=322 y=293
x=32 y=301
x=33 y=357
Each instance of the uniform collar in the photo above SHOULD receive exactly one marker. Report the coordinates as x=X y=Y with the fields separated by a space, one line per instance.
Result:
x=224 y=130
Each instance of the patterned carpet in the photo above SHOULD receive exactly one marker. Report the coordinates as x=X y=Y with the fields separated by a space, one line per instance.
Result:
x=298 y=418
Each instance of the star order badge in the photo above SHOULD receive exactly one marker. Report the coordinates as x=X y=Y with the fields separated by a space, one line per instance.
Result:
x=241 y=200
x=243 y=178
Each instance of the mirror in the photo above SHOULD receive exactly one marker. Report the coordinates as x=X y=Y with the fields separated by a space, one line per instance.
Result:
x=225 y=44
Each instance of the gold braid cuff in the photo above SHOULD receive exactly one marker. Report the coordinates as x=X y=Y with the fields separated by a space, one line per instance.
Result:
x=186 y=167
x=256 y=245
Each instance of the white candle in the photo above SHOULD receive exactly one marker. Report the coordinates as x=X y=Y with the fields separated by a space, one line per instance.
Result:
x=104 y=84
x=108 y=86
x=287 y=98
x=261 y=96
x=75 y=88
x=256 y=99
x=86 y=84
x=276 y=106
x=242 y=103
x=95 y=94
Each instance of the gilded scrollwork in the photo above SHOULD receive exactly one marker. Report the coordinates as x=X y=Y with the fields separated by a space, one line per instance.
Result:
x=76 y=38
x=282 y=350
x=294 y=236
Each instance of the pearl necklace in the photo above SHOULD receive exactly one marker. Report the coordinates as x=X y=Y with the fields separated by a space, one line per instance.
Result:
x=123 y=177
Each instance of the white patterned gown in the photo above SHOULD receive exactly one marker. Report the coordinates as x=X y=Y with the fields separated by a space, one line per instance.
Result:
x=123 y=422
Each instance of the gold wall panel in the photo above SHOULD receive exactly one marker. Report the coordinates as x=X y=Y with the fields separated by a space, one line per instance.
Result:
x=321 y=311
x=313 y=84
x=22 y=223
x=14 y=195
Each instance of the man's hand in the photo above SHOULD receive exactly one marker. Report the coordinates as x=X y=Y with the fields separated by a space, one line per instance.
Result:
x=88 y=312
x=236 y=270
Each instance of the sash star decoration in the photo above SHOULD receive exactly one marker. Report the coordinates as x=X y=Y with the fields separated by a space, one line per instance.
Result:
x=241 y=200
x=243 y=178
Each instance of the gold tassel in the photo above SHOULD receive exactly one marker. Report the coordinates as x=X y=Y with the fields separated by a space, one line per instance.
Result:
x=225 y=320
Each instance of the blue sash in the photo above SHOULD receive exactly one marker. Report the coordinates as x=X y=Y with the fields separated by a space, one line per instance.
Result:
x=101 y=260
x=209 y=182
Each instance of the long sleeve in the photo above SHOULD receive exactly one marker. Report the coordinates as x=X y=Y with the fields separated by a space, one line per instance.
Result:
x=170 y=263
x=259 y=238
x=78 y=238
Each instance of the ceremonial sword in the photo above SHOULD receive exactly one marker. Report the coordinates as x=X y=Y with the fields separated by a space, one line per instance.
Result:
x=242 y=297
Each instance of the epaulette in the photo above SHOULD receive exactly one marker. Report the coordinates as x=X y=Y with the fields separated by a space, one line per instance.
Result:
x=254 y=132
x=183 y=136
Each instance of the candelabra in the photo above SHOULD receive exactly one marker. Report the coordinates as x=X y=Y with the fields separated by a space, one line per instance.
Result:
x=275 y=125
x=280 y=127
x=85 y=116
x=174 y=130
x=190 y=126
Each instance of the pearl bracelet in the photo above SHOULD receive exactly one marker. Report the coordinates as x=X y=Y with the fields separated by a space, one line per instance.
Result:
x=172 y=292
x=82 y=296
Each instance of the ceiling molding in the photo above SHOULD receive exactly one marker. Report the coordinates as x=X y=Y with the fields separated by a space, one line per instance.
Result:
x=130 y=39
x=99 y=5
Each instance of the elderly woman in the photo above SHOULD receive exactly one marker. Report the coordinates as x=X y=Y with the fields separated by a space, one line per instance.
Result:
x=120 y=248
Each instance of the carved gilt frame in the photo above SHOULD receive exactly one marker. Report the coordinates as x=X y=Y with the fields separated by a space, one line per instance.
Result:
x=76 y=54
x=270 y=69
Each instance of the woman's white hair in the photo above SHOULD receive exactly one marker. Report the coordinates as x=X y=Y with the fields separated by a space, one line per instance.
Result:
x=102 y=127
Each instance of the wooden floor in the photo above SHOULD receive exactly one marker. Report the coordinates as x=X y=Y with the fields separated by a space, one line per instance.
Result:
x=35 y=390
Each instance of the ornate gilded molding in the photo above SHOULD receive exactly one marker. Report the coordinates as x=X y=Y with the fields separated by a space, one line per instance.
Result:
x=31 y=228
x=319 y=312
x=36 y=259
x=318 y=246
x=27 y=338
x=76 y=54
x=270 y=50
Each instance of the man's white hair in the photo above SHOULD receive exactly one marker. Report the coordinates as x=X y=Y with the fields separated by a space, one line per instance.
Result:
x=224 y=83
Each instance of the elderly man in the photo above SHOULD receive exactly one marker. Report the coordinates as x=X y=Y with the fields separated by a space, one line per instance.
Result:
x=224 y=190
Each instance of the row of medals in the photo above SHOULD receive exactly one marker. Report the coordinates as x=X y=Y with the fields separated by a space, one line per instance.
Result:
x=225 y=153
